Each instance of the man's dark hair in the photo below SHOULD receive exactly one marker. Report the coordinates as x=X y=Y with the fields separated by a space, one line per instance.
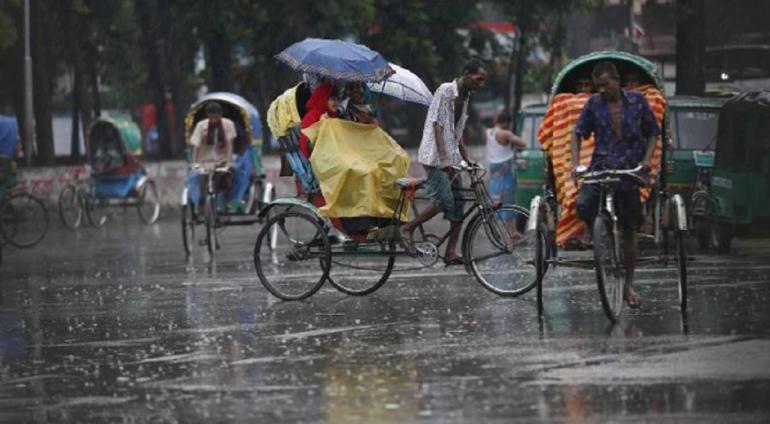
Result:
x=472 y=66
x=213 y=108
x=606 y=68
x=503 y=118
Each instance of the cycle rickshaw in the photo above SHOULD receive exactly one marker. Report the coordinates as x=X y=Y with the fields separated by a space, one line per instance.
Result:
x=667 y=211
x=304 y=251
x=117 y=179
x=250 y=190
x=356 y=251
x=23 y=217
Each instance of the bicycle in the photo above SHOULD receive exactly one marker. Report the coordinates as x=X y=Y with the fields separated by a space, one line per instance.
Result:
x=300 y=263
x=24 y=218
x=608 y=261
x=261 y=193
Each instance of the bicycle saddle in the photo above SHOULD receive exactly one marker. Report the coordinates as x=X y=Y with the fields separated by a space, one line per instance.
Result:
x=406 y=183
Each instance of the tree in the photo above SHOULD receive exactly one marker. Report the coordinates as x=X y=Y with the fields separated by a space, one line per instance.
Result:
x=690 y=47
x=10 y=48
x=264 y=36
x=537 y=21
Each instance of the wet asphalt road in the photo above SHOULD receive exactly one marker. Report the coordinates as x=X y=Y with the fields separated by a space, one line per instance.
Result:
x=113 y=325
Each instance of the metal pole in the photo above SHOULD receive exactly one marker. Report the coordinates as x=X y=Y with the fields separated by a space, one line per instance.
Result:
x=29 y=127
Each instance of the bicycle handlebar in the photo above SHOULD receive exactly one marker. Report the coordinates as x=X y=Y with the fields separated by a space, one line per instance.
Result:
x=475 y=170
x=609 y=173
x=467 y=167
x=203 y=169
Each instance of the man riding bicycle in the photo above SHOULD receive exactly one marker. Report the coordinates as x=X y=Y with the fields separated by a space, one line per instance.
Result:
x=440 y=149
x=212 y=142
x=625 y=133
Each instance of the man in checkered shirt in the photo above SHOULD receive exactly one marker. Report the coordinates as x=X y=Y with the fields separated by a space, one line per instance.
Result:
x=441 y=148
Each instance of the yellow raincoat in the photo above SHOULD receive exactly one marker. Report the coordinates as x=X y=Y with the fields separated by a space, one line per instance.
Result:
x=282 y=115
x=357 y=166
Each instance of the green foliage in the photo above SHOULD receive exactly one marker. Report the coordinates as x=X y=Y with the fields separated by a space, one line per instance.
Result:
x=139 y=48
x=8 y=31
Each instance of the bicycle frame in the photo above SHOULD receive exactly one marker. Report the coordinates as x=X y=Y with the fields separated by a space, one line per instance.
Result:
x=477 y=194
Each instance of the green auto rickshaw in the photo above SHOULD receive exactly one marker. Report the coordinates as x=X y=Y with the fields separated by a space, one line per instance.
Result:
x=693 y=128
x=740 y=185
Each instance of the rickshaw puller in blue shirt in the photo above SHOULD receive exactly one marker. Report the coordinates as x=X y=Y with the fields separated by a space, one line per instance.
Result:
x=625 y=133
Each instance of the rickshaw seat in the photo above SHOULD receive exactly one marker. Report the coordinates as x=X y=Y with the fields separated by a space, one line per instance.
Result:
x=410 y=183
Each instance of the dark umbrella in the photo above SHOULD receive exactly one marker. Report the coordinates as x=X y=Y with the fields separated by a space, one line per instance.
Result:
x=337 y=60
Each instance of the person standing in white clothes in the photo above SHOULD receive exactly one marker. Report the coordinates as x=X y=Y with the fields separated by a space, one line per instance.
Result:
x=501 y=154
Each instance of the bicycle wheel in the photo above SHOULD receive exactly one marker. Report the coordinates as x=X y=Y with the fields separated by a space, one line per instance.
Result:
x=71 y=207
x=681 y=262
x=300 y=262
x=210 y=220
x=542 y=254
x=363 y=270
x=257 y=197
x=96 y=211
x=188 y=228
x=610 y=272
x=148 y=204
x=23 y=220
x=499 y=253
x=273 y=236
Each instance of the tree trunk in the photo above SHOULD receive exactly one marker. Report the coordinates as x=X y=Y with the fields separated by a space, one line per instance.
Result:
x=155 y=73
x=219 y=50
x=510 y=93
x=221 y=62
x=80 y=91
x=690 y=35
x=519 y=69
x=75 y=134
x=557 y=47
x=43 y=87
x=92 y=68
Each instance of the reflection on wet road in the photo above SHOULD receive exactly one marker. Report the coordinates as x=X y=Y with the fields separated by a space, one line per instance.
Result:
x=114 y=325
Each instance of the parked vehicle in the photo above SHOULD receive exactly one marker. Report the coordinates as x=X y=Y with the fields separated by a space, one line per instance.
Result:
x=530 y=165
x=740 y=185
x=117 y=178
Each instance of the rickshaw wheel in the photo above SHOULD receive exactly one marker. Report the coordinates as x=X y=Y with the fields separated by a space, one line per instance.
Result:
x=210 y=220
x=501 y=262
x=258 y=198
x=71 y=207
x=681 y=263
x=23 y=220
x=365 y=270
x=188 y=228
x=299 y=264
x=610 y=272
x=148 y=205
x=96 y=211
x=541 y=256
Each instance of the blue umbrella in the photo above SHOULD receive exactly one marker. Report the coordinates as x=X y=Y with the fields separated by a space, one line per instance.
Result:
x=337 y=60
